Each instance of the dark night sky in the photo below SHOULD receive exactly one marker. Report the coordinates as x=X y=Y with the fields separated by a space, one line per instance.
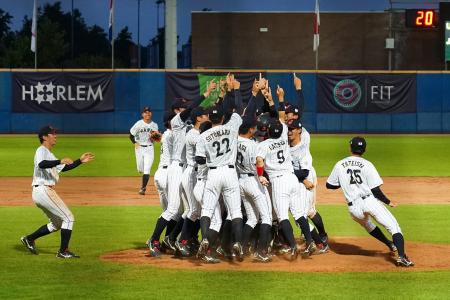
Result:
x=96 y=11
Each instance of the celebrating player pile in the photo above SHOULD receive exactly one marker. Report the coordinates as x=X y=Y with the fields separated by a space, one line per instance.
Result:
x=233 y=174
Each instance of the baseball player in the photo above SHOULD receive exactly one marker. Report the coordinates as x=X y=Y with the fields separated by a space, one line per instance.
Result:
x=306 y=174
x=161 y=175
x=188 y=181
x=179 y=128
x=46 y=174
x=253 y=193
x=217 y=148
x=273 y=156
x=361 y=183
x=140 y=136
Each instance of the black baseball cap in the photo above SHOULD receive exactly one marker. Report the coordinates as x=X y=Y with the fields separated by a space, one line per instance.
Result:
x=216 y=113
x=146 y=108
x=44 y=131
x=294 y=124
x=197 y=112
x=178 y=103
x=275 y=129
x=358 y=145
x=293 y=109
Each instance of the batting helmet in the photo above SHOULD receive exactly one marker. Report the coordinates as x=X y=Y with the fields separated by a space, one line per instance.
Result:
x=275 y=129
x=358 y=145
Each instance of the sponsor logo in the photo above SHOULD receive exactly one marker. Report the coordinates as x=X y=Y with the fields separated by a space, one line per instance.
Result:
x=50 y=93
x=347 y=93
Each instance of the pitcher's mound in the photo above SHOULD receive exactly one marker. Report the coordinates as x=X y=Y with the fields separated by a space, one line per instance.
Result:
x=347 y=254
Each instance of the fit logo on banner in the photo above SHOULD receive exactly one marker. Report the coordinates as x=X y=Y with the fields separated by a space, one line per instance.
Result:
x=381 y=93
x=50 y=93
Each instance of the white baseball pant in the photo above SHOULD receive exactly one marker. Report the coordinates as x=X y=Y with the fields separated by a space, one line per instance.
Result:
x=255 y=201
x=160 y=179
x=286 y=196
x=362 y=210
x=188 y=182
x=222 y=180
x=174 y=192
x=144 y=158
x=52 y=205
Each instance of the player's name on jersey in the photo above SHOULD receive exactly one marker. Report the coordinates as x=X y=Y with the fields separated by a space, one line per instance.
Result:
x=217 y=134
x=352 y=163
x=145 y=129
x=242 y=147
x=276 y=145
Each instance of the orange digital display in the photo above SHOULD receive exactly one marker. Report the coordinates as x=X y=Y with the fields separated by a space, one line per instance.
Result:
x=421 y=18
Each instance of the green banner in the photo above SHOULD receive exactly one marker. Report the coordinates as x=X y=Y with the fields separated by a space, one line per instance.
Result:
x=203 y=81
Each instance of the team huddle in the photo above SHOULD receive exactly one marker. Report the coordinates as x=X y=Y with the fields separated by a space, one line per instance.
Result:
x=232 y=174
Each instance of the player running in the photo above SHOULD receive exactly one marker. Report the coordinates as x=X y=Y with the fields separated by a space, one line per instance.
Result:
x=361 y=183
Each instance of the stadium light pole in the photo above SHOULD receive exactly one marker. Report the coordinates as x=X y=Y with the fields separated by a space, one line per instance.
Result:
x=138 y=33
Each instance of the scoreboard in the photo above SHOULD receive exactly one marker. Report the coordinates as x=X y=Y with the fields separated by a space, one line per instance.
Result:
x=421 y=18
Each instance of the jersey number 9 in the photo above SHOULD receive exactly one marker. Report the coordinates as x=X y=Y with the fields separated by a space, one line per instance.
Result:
x=280 y=157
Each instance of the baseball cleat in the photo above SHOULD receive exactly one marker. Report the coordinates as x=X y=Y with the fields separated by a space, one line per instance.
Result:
x=404 y=262
x=29 y=244
x=284 y=249
x=142 y=191
x=66 y=254
x=238 y=251
x=324 y=249
x=262 y=257
x=154 y=248
x=203 y=249
x=169 y=244
x=182 y=247
x=309 y=250
x=208 y=258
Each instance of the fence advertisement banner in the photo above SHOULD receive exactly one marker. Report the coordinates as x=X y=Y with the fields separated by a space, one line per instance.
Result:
x=59 y=92
x=366 y=93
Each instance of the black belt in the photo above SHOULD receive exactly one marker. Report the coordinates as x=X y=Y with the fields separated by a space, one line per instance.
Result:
x=196 y=169
x=229 y=166
x=51 y=186
x=362 y=197
x=180 y=164
x=164 y=167
x=146 y=145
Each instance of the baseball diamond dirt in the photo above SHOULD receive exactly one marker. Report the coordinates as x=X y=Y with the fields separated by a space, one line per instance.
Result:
x=348 y=254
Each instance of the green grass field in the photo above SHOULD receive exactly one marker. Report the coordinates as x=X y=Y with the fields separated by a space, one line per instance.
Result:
x=101 y=229
x=392 y=155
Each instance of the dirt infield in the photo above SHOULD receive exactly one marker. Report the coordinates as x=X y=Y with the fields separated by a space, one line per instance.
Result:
x=123 y=191
x=347 y=255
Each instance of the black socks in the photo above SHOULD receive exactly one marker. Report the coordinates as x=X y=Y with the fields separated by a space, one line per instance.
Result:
x=159 y=227
x=41 y=231
x=65 y=238
x=204 y=226
x=246 y=234
x=145 y=179
x=379 y=235
x=304 y=226
x=236 y=228
x=264 y=236
x=288 y=233
x=399 y=243
x=187 y=231
x=176 y=231
x=170 y=226
x=318 y=223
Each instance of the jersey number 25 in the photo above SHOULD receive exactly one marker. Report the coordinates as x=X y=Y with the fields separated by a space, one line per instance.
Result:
x=354 y=176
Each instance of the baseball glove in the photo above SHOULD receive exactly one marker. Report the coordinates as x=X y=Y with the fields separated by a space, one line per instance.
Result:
x=155 y=136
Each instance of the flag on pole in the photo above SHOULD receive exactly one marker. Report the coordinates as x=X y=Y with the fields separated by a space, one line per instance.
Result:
x=111 y=20
x=316 y=27
x=33 y=28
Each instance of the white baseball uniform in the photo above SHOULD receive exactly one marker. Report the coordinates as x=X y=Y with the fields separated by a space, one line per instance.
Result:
x=302 y=159
x=219 y=146
x=285 y=186
x=253 y=193
x=357 y=176
x=144 y=153
x=175 y=170
x=189 y=177
x=44 y=195
x=161 y=174
x=305 y=138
